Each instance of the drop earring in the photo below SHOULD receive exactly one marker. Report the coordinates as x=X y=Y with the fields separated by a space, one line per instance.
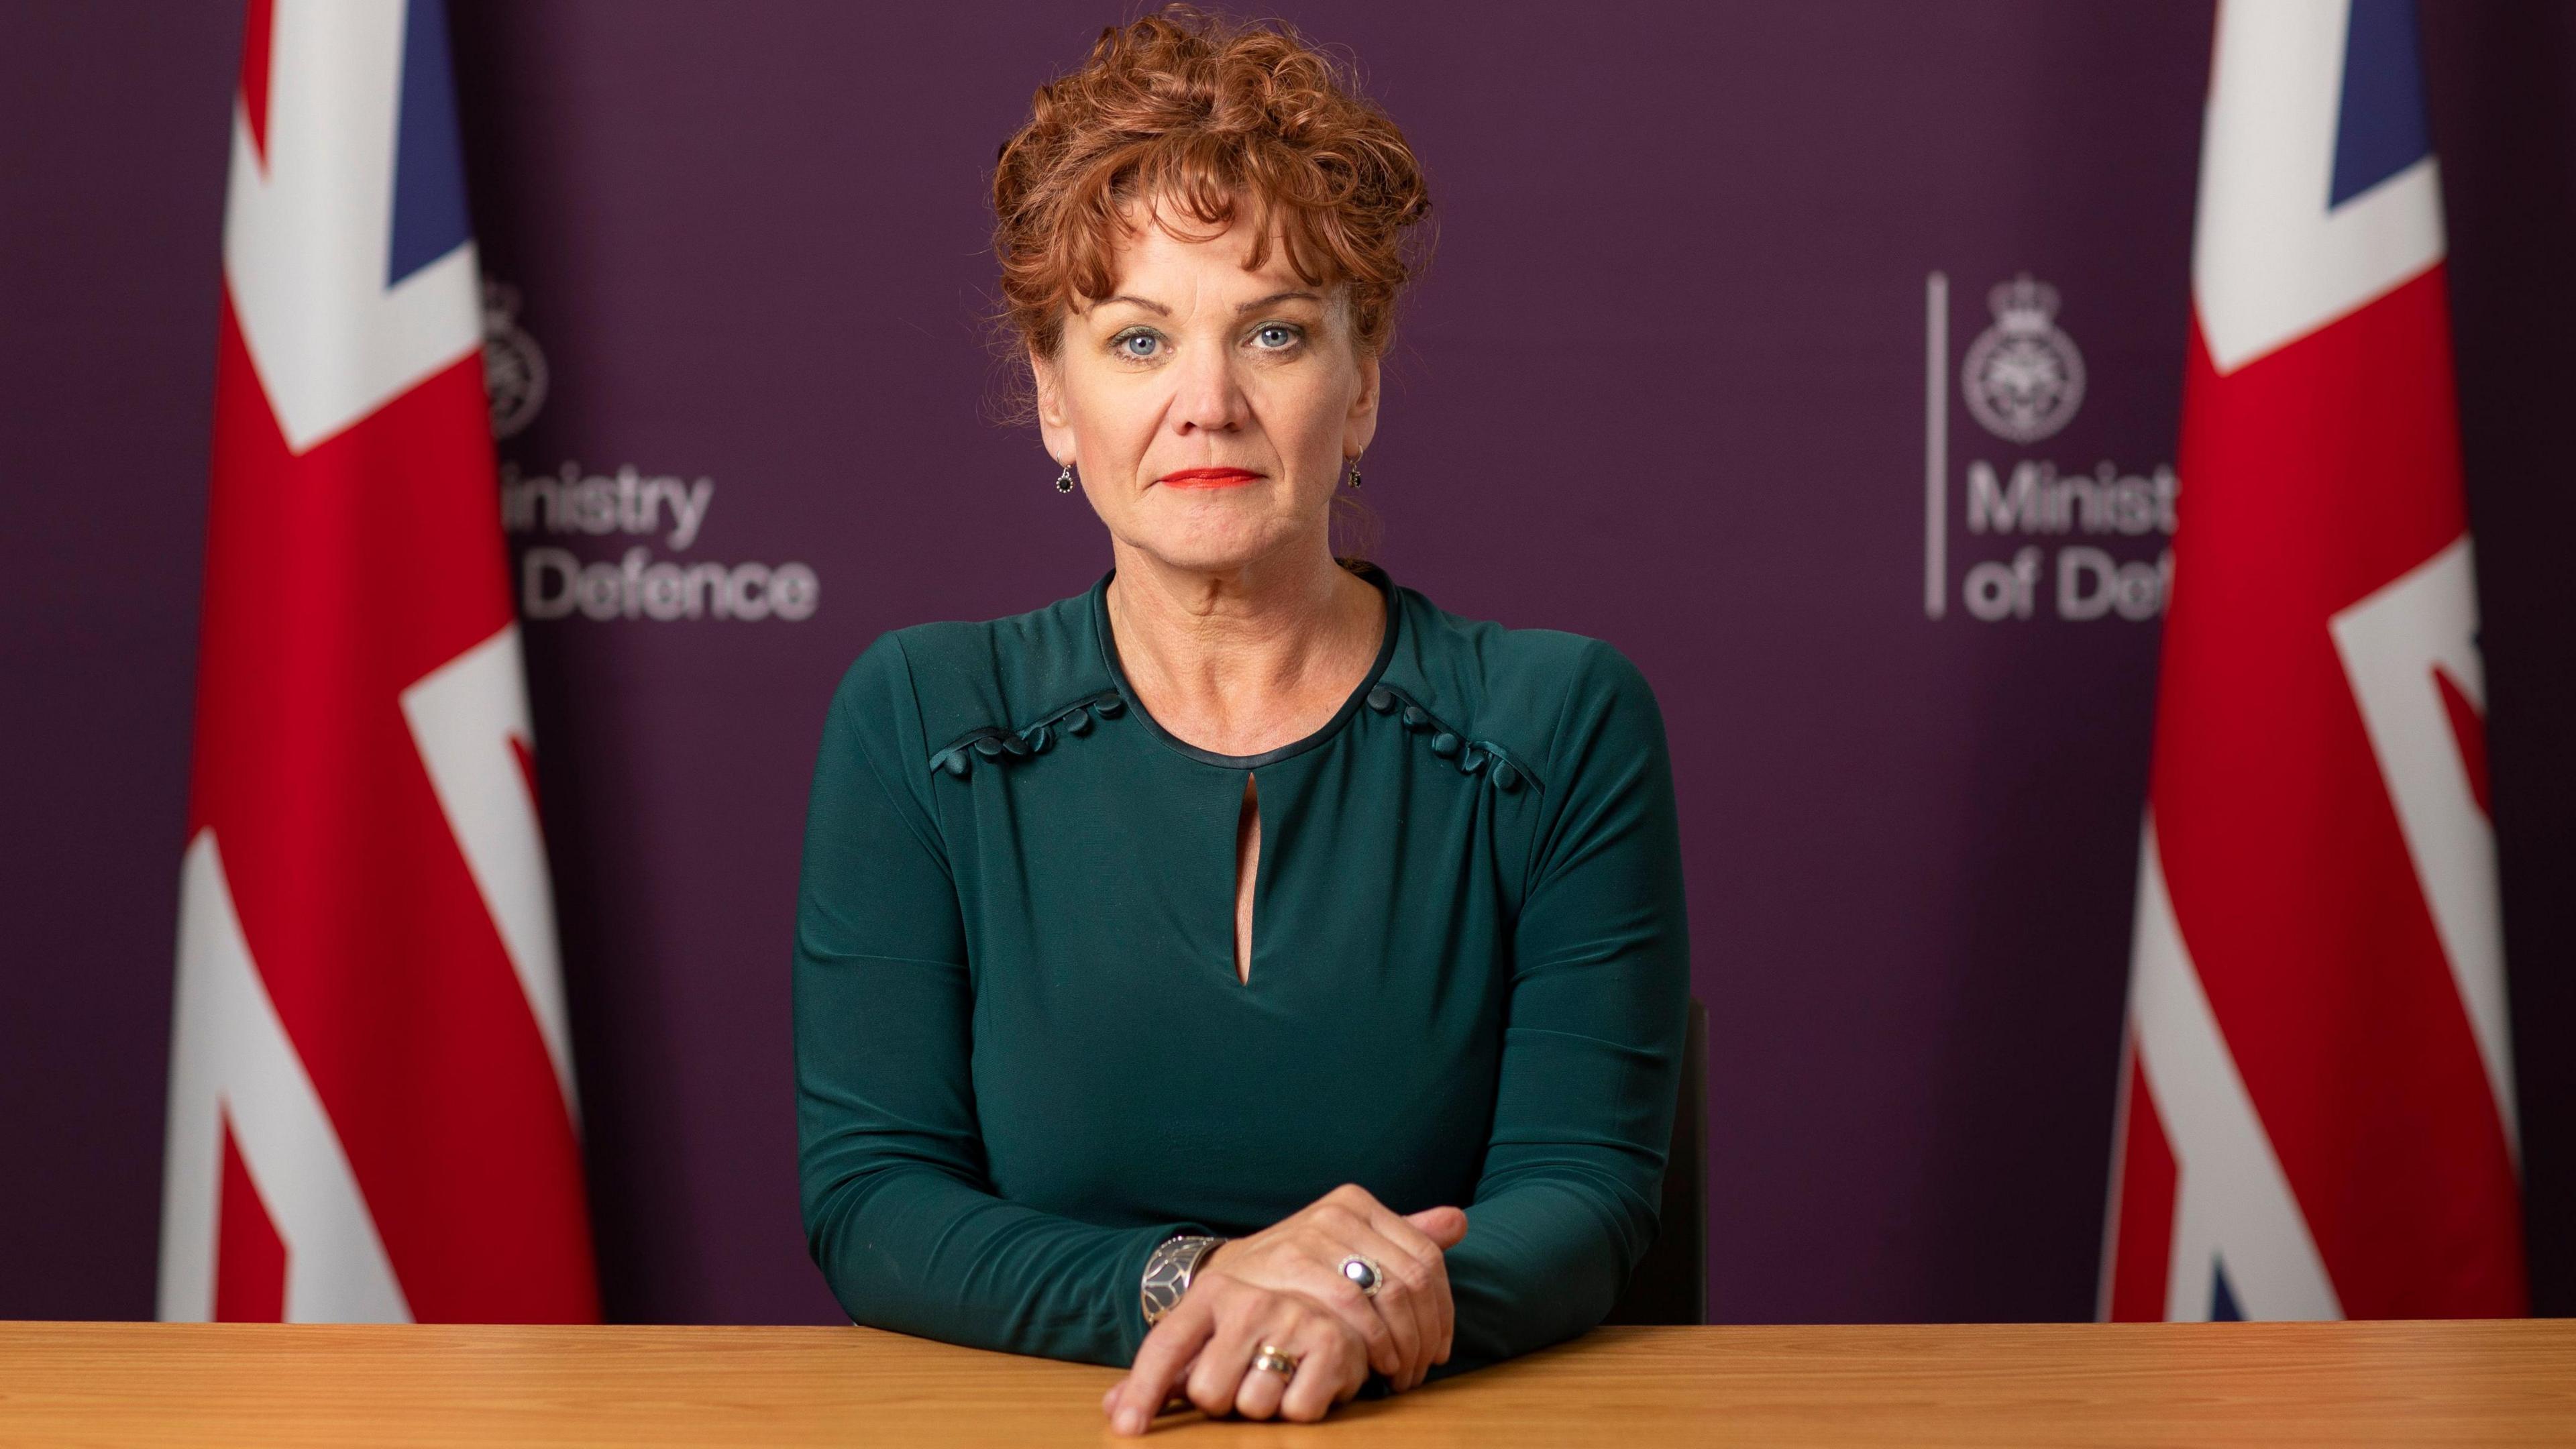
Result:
x=1064 y=480
x=1355 y=471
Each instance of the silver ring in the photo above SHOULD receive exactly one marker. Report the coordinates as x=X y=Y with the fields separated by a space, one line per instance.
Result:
x=1272 y=1357
x=1364 y=1273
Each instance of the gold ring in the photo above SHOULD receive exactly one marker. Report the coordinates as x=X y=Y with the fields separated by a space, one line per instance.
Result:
x=1272 y=1357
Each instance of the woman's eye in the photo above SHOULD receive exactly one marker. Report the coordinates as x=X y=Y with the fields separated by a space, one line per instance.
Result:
x=1274 y=336
x=1138 y=345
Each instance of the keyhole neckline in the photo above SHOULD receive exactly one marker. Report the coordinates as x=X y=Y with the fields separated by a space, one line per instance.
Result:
x=1351 y=706
x=1245 y=917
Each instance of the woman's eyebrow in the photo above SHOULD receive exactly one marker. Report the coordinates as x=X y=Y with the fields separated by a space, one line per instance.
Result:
x=1156 y=308
x=1260 y=302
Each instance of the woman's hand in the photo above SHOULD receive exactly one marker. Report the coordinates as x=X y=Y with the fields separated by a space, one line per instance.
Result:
x=1284 y=1286
x=1407 y=1326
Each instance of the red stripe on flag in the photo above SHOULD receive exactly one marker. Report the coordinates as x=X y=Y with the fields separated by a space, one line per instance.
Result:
x=254 y=75
x=527 y=763
x=2469 y=730
x=250 y=1257
x=2314 y=477
x=2142 y=1236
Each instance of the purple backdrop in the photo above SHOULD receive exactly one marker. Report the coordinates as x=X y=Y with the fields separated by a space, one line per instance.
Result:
x=1665 y=383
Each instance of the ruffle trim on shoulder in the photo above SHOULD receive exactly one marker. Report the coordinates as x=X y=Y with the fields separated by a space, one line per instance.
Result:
x=1471 y=755
x=1002 y=745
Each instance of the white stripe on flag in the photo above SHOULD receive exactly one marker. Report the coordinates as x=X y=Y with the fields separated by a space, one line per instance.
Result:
x=307 y=235
x=463 y=716
x=2391 y=643
x=2269 y=262
x=230 y=1052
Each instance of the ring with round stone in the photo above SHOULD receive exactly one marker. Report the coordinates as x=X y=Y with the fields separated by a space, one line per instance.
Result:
x=1364 y=1273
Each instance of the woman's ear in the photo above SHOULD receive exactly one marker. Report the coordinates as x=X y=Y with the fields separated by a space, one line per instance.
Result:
x=1055 y=425
x=1360 y=427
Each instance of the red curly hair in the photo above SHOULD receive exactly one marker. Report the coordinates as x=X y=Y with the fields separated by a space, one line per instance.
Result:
x=1199 y=116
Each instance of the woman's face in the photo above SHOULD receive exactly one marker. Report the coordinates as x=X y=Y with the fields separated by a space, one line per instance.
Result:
x=1209 y=408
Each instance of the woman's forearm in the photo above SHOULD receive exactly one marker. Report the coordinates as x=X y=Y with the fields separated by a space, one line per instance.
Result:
x=1542 y=1262
x=910 y=1248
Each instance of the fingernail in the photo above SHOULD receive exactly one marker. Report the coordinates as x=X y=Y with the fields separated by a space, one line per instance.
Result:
x=1131 y=1421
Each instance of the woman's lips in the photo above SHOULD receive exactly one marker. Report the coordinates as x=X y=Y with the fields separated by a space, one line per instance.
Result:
x=1208 y=478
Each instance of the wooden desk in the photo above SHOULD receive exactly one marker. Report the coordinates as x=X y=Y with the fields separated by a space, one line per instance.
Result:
x=2070 y=1384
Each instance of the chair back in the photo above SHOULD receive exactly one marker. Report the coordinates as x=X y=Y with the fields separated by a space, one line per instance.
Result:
x=1671 y=1281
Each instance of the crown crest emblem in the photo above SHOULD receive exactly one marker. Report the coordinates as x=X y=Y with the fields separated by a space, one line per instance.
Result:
x=2023 y=306
x=514 y=367
x=2023 y=377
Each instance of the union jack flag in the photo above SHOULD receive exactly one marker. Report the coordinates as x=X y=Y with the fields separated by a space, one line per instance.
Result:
x=372 y=1114
x=2317 y=1107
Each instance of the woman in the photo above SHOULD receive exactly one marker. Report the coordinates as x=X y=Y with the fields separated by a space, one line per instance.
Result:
x=1243 y=970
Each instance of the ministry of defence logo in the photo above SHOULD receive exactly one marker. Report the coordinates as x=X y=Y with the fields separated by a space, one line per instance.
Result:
x=651 y=510
x=2022 y=376
x=514 y=368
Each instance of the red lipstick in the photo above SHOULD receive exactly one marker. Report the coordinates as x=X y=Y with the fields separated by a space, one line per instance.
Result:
x=1208 y=478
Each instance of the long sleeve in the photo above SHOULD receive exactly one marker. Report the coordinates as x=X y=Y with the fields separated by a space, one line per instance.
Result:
x=1566 y=1203
x=899 y=1211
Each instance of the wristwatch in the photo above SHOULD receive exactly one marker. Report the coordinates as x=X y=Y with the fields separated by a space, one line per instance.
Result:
x=1168 y=1270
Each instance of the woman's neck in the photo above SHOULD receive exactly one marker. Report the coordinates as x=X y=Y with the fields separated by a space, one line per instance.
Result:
x=1248 y=659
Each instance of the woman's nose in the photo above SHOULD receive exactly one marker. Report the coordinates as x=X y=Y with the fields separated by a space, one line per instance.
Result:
x=1209 y=397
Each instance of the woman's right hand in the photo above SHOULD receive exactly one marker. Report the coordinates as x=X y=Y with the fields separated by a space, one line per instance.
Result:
x=1284 y=1286
x=1408 y=1325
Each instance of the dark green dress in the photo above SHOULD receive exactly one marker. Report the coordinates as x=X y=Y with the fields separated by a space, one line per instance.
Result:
x=1023 y=1056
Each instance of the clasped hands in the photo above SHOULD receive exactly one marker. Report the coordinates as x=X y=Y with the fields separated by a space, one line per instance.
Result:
x=1283 y=1286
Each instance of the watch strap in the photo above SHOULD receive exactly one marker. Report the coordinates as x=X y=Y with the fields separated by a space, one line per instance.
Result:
x=1168 y=1271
